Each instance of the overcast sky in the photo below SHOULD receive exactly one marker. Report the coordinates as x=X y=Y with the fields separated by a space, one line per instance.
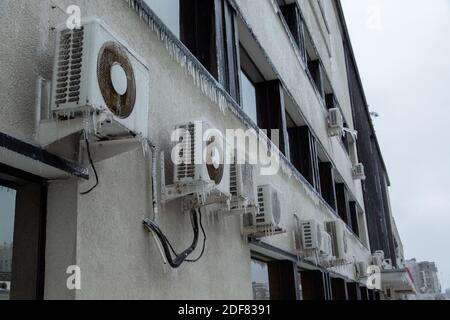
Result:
x=403 y=52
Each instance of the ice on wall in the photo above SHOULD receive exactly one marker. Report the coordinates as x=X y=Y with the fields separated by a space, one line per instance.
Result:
x=207 y=84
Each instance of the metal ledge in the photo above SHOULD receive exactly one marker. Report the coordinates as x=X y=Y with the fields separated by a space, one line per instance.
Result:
x=34 y=160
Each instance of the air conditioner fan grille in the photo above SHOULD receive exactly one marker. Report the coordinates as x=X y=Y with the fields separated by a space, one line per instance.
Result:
x=69 y=65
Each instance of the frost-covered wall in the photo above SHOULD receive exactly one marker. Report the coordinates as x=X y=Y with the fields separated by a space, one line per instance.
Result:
x=102 y=232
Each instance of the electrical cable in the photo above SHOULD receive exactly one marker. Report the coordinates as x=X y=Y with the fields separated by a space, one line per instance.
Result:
x=179 y=259
x=88 y=149
x=204 y=239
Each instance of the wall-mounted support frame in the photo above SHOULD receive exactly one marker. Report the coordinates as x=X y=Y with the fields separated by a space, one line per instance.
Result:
x=103 y=150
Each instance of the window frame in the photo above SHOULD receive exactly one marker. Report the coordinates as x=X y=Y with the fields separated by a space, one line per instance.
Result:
x=305 y=143
x=21 y=181
x=283 y=277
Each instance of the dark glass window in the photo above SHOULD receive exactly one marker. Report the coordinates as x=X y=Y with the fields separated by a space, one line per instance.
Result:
x=260 y=280
x=249 y=97
x=304 y=154
x=294 y=21
x=343 y=203
x=207 y=29
x=7 y=213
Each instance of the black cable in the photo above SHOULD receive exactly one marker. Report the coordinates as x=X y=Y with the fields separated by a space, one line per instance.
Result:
x=88 y=149
x=204 y=239
x=167 y=247
x=170 y=245
x=203 y=247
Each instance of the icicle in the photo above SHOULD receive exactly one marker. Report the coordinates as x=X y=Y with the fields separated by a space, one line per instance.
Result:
x=200 y=77
x=206 y=83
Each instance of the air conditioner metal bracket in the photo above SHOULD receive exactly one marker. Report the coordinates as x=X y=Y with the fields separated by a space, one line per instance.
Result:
x=241 y=210
x=177 y=191
x=195 y=201
x=103 y=150
x=217 y=203
x=258 y=232
x=52 y=130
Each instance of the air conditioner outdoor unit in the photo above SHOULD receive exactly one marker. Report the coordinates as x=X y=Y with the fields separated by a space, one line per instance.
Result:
x=326 y=248
x=335 y=122
x=387 y=264
x=378 y=258
x=358 y=172
x=242 y=188
x=310 y=234
x=96 y=75
x=203 y=159
x=361 y=269
x=269 y=213
x=339 y=236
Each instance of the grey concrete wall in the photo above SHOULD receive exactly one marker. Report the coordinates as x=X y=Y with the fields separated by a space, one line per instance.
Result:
x=102 y=232
x=61 y=238
x=26 y=50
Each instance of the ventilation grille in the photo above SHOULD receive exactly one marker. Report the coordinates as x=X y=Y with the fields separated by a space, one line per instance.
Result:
x=359 y=172
x=234 y=204
x=335 y=118
x=186 y=170
x=70 y=59
x=311 y=235
x=260 y=216
x=308 y=242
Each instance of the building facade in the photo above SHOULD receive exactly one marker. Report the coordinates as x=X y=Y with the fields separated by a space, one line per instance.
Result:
x=241 y=64
x=425 y=275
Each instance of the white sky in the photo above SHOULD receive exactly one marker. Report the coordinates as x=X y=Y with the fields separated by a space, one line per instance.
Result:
x=403 y=52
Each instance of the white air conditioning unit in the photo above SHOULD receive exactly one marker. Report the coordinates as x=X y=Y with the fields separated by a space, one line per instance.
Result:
x=269 y=213
x=335 y=122
x=378 y=258
x=326 y=248
x=202 y=152
x=361 y=269
x=242 y=188
x=387 y=264
x=358 y=172
x=310 y=234
x=95 y=74
x=339 y=236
